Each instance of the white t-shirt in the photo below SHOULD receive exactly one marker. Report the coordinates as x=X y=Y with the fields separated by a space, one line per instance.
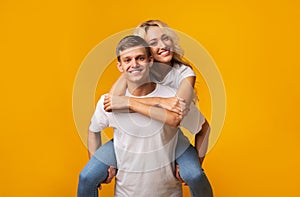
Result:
x=175 y=76
x=145 y=151
x=194 y=119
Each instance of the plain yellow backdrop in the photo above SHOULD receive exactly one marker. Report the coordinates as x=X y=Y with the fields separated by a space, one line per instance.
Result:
x=254 y=43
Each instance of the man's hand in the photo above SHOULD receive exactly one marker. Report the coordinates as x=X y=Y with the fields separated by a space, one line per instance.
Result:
x=178 y=175
x=111 y=174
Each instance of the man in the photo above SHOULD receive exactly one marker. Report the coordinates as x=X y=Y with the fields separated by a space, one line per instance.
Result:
x=144 y=147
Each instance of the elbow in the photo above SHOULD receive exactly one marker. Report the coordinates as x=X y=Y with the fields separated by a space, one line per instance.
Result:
x=175 y=121
x=206 y=128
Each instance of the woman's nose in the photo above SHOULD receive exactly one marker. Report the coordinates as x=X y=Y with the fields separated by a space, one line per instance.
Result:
x=161 y=44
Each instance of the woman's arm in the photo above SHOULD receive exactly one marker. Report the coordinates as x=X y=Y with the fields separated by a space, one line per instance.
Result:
x=163 y=115
x=129 y=104
x=175 y=104
x=119 y=87
x=186 y=89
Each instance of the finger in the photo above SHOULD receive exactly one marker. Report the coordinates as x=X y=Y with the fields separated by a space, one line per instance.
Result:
x=178 y=174
x=176 y=110
x=107 y=98
x=105 y=106
x=111 y=173
x=182 y=103
x=107 y=95
x=186 y=111
x=180 y=99
x=108 y=108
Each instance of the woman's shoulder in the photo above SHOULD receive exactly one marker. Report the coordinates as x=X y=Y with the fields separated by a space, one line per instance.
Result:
x=179 y=64
x=180 y=67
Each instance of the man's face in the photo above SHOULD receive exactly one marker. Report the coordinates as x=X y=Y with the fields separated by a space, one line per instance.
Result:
x=135 y=64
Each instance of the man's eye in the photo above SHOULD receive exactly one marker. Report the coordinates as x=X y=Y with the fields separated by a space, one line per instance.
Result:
x=127 y=60
x=141 y=58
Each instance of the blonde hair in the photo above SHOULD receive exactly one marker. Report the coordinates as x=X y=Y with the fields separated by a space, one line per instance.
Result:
x=141 y=30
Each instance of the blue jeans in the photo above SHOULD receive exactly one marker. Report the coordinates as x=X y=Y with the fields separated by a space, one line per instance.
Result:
x=190 y=169
x=95 y=172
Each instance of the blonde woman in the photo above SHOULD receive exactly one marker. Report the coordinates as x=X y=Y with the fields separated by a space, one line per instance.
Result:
x=168 y=69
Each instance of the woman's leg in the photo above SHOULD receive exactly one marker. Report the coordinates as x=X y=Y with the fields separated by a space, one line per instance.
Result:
x=190 y=169
x=95 y=172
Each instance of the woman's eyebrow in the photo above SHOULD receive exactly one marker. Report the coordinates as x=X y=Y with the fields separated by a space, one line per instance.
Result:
x=153 y=39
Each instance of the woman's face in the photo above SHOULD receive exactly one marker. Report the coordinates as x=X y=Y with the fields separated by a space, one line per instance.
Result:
x=161 y=45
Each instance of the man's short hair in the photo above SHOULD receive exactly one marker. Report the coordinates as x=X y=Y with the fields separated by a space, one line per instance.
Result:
x=129 y=42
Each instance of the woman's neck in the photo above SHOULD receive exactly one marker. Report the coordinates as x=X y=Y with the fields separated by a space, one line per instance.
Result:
x=160 y=70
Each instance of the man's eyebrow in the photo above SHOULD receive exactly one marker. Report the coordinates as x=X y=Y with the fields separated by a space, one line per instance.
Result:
x=141 y=55
x=126 y=57
x=129 y=56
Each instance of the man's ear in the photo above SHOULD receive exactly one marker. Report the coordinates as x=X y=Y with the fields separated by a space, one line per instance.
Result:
x=151 y=59
x=120 y=68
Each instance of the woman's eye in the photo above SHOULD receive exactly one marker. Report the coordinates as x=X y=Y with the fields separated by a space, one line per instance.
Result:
x=153 y=43
x=165 y=38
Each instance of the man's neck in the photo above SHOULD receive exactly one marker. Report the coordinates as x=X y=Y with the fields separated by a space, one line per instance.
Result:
x=141 y=90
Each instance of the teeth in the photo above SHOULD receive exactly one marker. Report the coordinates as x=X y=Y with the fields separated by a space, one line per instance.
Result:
x=164 y=53
x=134 y=71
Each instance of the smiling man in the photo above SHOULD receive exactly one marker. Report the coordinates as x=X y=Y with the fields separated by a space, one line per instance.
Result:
x=144 y=147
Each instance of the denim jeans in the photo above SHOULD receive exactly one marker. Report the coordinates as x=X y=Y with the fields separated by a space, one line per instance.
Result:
x=190 y=168
x=95 y=172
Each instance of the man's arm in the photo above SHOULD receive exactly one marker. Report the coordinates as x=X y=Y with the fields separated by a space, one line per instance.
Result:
x=94 y=142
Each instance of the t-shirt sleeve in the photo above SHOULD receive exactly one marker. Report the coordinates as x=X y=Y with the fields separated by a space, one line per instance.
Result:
x=184 y=72
x=99 y=120
x=194 y=120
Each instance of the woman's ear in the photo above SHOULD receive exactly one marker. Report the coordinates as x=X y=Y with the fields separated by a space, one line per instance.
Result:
x=120 y=68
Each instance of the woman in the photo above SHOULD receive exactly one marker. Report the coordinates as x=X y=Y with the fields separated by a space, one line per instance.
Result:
x=169 y=69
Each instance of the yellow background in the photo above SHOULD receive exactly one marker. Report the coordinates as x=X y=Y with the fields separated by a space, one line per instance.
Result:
x=254 y=43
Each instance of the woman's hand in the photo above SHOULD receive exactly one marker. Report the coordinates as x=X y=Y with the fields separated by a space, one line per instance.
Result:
x=174 y=104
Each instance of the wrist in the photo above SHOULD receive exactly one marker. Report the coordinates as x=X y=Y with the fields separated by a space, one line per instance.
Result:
x=131 y=102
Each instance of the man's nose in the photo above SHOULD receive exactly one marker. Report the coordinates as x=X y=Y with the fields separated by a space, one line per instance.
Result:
x=134 y=63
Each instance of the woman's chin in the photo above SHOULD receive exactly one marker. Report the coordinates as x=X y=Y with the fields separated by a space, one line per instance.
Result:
x=164 y=60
